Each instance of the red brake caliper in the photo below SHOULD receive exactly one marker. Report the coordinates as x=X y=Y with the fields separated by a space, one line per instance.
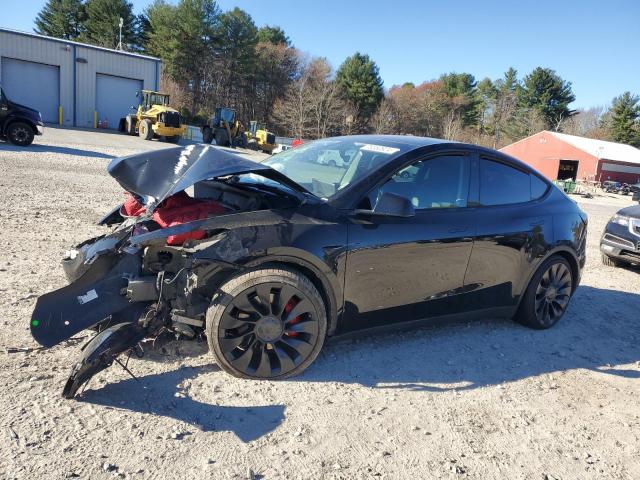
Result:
x=287 y=308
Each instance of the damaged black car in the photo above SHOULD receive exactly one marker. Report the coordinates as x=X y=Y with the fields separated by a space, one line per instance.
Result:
x=267 y=260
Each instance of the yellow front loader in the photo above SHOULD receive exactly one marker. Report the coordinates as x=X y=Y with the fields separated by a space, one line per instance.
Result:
x=155 y=118
x=259 y=138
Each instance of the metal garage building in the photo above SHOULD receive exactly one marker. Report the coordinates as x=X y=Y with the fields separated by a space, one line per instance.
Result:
x=71 y=83
x=560 y=156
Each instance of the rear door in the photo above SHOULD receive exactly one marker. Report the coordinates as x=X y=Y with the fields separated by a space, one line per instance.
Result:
x=403 y=269
x=512 y=234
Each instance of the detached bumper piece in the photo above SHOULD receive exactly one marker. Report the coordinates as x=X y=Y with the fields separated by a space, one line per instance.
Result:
x=101 y=352
x=60 y=314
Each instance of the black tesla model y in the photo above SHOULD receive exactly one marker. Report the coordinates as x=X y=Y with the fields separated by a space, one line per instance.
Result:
x=266 y=260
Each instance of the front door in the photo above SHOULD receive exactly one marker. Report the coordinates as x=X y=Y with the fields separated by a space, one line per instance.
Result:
x=403 y=269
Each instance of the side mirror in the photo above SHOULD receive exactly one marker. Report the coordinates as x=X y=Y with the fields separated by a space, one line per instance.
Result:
x=390 y=205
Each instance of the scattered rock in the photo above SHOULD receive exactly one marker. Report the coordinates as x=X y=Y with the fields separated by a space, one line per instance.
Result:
x=109 y=467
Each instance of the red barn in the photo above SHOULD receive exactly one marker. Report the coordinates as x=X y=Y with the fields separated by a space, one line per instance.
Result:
x=560 y=157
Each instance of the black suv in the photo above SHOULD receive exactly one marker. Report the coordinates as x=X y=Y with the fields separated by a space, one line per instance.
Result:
x=620 y=242
x=19 y=124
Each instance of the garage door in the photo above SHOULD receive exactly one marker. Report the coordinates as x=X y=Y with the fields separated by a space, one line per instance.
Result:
x=35 y=85
x=114 y=97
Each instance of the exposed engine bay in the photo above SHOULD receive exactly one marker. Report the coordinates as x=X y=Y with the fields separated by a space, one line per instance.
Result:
x=154 y=272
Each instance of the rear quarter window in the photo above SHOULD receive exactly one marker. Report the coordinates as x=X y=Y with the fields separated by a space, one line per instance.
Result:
x=538 y=187
x=501 y=184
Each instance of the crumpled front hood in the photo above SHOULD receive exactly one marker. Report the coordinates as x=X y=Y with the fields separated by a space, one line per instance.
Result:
x=158 y=174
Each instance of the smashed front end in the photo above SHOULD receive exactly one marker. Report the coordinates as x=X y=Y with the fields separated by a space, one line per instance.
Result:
x=153 y=272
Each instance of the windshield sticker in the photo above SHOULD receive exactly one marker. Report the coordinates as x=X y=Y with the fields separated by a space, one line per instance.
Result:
x=379 y=149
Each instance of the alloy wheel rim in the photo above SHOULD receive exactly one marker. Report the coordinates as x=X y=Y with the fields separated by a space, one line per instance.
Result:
x=553 y=294
x=268 y=330
x=20 y=134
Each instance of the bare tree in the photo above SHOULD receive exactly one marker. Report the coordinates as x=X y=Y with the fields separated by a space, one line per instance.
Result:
x=313 y=106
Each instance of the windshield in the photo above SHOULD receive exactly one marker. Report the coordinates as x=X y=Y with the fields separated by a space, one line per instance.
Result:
x=325 y=167
x=157 y=99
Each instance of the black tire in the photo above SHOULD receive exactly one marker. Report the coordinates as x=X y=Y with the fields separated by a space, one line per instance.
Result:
x=274 y=338
x=547 y=297
x=130 y=126
x=609 y=262
x=173 y=139
x=221 y=138
x=144 y=129
x=207 y=135
x=20 y=134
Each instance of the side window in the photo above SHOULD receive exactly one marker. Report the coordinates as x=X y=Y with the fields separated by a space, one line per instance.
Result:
x=501 y=184
x=440 y=182
x=538 y=187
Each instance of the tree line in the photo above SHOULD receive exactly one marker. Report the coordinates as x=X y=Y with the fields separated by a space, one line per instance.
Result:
x=222 y=58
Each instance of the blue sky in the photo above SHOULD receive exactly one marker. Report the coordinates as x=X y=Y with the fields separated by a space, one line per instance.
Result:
x=593 y=44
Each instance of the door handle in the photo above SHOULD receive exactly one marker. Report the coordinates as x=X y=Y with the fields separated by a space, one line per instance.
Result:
x=458 y=229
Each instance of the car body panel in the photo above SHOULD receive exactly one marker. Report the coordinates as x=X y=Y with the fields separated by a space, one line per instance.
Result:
x=158 y=174
x=371 y=270
x=14 y=112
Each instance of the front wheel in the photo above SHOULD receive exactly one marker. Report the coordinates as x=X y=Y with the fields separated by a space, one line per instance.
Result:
x=20 y=134
x=266 y=324
x=145 y=129
x=547 y=296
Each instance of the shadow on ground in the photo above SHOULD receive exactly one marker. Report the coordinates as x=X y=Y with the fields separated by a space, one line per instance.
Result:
x=156 y=394
x=36 y=148
x=600 y=329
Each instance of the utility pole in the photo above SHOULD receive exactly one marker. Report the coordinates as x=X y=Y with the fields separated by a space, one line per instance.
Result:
x=119 y=47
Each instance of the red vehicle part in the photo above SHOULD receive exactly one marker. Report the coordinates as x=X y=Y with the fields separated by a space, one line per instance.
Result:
x=176 y=210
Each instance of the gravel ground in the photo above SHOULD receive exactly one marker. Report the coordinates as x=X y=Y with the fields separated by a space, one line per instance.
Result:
x=483 y=400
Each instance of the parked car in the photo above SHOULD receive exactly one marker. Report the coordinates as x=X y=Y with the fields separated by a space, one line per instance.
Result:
x=269 y=259
x=620 y=242
x=611 y=187
x=19 y=124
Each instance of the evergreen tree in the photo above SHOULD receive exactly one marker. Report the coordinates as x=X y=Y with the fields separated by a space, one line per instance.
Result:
x=359 y=78
x=274 y=35
x=238 y=36
x=61 y=19
x=185 y=37
x=624 y=118
x=462 y=88
x=544 y=91
x=102 y=24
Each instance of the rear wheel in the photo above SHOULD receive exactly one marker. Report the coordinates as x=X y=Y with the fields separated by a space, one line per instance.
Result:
x=145 y=130
x=207 y=135
x=20 y=134
x=221 y=138
x=130 y=125
x=266 y=324
x=548 y=294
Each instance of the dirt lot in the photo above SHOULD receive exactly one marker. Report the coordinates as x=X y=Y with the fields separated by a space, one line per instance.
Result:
x=484 y=400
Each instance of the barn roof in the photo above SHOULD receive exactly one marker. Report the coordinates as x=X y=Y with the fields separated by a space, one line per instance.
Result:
x=601 y=149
